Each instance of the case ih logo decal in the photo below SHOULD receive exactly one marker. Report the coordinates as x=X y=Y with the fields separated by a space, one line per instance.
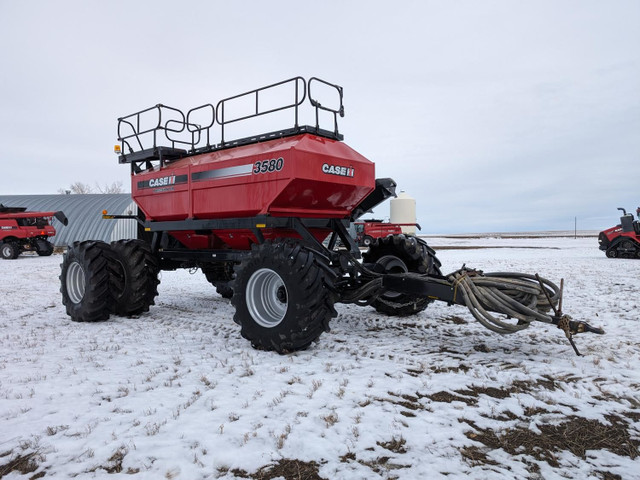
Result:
x=338 y=170
x=162 y=181
x=167 y=181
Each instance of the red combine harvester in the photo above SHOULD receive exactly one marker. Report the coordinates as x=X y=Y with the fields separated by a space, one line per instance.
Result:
x=262 y=215
x=623 y=240
x=368 y=230
x=26 y=231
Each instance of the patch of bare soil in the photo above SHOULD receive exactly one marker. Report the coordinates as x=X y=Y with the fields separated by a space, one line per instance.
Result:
x=24 y=464
x=474 y=391
x=475 y=456
x=382 y=465
x=455 y=319
x=575 y=434
x=447 y=397
x=285 y=468
x=470 y=394
x=395 y=445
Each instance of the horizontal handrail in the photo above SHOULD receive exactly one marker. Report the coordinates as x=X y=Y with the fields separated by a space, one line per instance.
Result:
x=220 y=107
x=137 y=128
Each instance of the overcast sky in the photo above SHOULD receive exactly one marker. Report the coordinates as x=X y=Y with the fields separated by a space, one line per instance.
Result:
x=494 y=115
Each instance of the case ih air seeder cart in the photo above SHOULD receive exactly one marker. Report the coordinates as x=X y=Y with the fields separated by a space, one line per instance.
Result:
x=261 y=216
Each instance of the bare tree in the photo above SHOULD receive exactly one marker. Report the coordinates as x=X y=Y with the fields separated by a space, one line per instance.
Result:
x=79 y=188
x=115 y=187
x=83 y=188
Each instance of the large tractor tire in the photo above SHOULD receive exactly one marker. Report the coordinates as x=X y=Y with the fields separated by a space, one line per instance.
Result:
x=224 y=289
x=220 y=276
x=84 y=280
x=44 y=248
x=9 y=250
x=133 y=276
x=399 y=254
x=283 y=295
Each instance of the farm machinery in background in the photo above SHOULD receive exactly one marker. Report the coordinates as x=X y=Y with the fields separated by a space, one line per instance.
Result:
x=365 y=232
x=623 y=240
x=26 y=231
x=262 y=216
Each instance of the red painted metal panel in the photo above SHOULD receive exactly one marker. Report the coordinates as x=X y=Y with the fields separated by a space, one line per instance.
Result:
x=240 y=239
x=303 y=175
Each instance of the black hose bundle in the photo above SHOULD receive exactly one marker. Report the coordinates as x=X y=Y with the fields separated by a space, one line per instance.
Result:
x=517 y=295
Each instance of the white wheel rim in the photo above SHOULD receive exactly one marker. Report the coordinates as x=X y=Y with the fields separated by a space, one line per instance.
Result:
x=267 y=298
x=75 y=282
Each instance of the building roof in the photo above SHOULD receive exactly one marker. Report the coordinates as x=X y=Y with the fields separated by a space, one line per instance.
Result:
x=84 y=213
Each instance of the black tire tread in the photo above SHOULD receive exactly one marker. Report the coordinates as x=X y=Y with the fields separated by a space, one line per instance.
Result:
x=224 y=289
x=44 y=248
x=220 y=276
x=306 y=320
x=93 y=256
x=15 y=250
x=417 y=256
x=133 y=275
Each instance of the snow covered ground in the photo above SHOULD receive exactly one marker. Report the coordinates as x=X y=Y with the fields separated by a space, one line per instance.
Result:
x=178 y=394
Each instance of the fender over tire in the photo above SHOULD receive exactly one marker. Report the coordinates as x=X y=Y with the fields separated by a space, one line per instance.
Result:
x=283 y=296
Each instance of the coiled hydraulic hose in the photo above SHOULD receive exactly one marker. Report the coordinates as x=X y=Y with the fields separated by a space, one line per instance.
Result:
x=517 y=295
x=520 y=296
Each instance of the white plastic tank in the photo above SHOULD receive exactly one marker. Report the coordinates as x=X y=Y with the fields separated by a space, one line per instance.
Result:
x=403 y=210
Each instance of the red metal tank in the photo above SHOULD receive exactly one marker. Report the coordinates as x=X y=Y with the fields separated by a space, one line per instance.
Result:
x=303 y=176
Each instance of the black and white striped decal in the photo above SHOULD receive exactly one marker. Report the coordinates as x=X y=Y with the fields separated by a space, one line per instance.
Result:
x=220 y=173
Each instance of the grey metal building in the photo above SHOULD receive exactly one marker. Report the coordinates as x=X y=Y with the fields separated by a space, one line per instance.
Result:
x=84 y=213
